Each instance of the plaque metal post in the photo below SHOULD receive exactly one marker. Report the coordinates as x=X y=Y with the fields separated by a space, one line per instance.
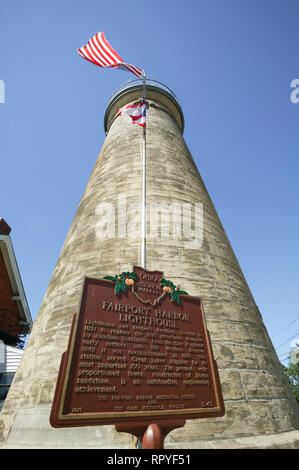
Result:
x=150 y=435
x=153 y=438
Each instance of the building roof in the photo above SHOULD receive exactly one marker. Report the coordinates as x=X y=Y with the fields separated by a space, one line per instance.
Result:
x=16 y=283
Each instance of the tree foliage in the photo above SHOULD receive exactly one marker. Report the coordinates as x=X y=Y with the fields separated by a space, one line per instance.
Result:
x=292 y=372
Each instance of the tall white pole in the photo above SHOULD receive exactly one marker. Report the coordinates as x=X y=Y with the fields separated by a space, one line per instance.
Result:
x=143 y=201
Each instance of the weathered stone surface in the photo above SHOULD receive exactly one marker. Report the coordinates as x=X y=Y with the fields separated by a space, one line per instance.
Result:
x=235 y=355
x=287 y=440
x=258 y=384
x=242 y=418
x=258 y=400
x=42 y=435
x=232 y=386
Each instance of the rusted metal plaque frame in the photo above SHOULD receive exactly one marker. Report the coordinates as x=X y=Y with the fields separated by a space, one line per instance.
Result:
x=127 y=419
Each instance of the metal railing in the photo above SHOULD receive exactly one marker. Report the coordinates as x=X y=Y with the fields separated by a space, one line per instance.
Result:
x=149 y=82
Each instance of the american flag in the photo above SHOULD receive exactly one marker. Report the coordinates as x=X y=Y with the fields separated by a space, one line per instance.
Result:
x=99 y=52
x=136 y=112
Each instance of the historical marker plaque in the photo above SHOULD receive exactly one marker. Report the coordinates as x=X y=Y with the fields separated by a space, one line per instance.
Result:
x=138 y=350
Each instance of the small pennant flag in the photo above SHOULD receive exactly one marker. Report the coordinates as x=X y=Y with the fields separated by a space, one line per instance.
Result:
x=99 y=52
x=136 y=112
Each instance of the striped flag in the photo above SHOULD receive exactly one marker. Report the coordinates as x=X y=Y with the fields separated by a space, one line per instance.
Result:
x=99 y=52
x=136 y=112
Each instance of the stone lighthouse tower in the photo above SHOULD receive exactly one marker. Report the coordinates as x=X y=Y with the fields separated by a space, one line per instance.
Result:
x=104 y=239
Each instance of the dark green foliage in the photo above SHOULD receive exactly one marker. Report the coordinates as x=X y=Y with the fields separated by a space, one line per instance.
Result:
x=175 y=291
x=120 y=280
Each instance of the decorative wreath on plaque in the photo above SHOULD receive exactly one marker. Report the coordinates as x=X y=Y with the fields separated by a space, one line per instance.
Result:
x=123 y=281
x=127 y=279
x=171 y=289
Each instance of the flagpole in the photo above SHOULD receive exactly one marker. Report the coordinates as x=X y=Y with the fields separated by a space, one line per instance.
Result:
x=143 y=202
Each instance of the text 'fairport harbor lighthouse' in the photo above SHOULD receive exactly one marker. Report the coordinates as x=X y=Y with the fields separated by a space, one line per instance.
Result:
x=147 y=227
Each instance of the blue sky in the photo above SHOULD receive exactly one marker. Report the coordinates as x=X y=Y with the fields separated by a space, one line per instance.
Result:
x=230 y=64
